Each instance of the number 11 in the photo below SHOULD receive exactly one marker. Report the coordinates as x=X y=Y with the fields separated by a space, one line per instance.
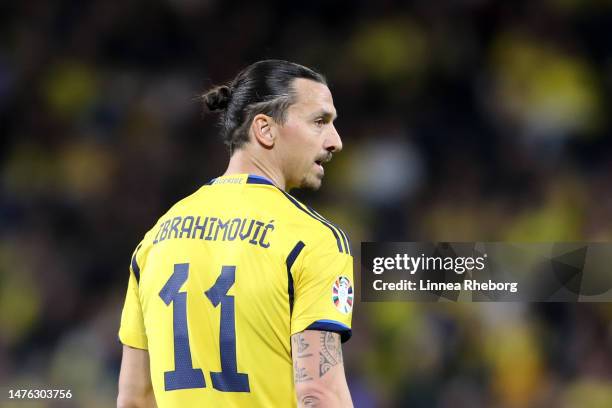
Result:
x=184 y=375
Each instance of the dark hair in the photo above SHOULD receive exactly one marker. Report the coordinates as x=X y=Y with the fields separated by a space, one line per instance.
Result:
x=263 y=87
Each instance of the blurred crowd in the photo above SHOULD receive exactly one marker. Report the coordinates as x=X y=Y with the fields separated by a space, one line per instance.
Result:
x=464 y=120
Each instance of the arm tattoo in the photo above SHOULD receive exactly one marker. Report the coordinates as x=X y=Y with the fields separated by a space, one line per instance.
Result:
x=299 y=374
x=300 y=343
x=331 y=352
x=311 y=402
x=299 y=346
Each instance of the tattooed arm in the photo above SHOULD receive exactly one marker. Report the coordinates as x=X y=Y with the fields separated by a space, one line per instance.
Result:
x=318 y=370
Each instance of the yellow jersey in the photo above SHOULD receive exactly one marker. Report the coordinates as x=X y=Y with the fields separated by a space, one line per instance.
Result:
x=222 y=281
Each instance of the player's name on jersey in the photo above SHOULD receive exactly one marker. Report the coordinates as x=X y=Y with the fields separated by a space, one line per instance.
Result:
x=253 y=231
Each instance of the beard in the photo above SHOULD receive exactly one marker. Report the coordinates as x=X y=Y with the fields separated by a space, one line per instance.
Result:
x=311 y=181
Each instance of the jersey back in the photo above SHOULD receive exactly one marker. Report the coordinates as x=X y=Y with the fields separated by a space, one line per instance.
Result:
x=222 y=281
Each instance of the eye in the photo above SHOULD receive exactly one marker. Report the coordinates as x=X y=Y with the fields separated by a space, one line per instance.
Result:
x=320 y=122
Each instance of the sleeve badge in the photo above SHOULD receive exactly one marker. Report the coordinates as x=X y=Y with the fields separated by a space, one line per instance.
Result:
x=342 y=294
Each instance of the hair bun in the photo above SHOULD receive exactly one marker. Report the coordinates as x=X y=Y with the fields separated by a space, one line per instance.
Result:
x=217 y=98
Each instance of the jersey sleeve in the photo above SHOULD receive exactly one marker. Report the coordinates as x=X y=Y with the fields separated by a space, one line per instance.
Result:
x=323 y=290
x=132 y=330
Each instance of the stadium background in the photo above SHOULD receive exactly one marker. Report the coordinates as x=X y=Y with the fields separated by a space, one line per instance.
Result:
x=462 y=120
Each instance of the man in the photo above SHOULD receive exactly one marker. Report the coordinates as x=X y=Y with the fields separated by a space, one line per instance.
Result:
x=240 y=295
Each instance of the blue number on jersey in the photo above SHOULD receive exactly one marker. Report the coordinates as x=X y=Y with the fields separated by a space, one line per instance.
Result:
x=229 y=379
x=184 y=375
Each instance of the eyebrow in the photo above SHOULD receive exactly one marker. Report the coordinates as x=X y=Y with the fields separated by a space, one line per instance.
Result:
x=327 y=115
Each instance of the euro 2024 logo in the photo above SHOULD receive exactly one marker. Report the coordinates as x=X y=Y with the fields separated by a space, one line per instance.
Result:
x=342 y=294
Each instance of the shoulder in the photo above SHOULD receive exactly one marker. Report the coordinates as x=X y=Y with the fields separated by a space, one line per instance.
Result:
x=193 y=200
x=319 y=230
x=150 y=237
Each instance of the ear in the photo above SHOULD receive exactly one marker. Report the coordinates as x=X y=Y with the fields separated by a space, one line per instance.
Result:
x=262 y=129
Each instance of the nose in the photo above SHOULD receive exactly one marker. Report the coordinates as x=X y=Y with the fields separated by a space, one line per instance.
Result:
x=333 y=142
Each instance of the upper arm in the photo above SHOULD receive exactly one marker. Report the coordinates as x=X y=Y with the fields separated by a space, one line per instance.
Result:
x=322 y=281
x=318 y=369
x=135 y=388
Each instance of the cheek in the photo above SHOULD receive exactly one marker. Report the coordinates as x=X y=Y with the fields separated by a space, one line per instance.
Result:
x=302 y=144
x=303 y=138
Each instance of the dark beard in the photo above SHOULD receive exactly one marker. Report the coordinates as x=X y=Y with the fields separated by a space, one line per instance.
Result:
x=310 y=184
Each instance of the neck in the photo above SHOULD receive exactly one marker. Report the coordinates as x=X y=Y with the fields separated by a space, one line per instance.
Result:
x=243 y=161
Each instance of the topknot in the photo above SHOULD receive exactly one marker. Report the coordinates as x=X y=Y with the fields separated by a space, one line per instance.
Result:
x=217 y=98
